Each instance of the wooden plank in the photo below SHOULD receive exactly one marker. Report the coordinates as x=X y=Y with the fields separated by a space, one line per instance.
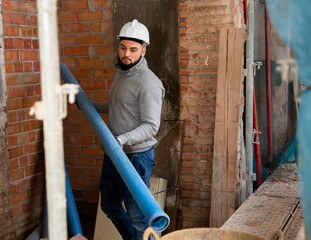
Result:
x=228 y=99
x=104 y=228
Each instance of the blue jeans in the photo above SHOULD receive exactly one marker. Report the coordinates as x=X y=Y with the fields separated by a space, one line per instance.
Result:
x=131 y=223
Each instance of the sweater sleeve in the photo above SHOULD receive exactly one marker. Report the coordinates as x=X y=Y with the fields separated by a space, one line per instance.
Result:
x=150 y=105
x=101 y=107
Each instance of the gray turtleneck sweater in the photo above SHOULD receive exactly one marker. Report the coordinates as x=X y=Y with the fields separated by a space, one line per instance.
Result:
x=135 y=101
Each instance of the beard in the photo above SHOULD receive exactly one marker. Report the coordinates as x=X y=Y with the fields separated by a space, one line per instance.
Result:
x=126 y=67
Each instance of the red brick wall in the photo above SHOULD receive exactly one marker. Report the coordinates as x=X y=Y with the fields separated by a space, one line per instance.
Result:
x=86 y=47
x=199 y=23
x=25 y=143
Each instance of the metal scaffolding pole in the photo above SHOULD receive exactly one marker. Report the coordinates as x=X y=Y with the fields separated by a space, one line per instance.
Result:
x=249 y=98
x=50 y=112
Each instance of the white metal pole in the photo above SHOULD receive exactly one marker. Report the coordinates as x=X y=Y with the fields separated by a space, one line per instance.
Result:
x=249 y=97
x=52 y=121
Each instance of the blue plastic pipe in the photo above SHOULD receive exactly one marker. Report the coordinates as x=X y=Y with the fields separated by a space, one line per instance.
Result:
x=155 y=216
x=73 y=221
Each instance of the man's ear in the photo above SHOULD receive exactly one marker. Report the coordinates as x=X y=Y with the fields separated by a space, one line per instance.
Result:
x=143 y=51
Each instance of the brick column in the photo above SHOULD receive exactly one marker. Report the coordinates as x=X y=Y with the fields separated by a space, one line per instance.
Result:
x=199 y=23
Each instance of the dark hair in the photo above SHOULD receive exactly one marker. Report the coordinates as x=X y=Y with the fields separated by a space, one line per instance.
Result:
x=133 y=39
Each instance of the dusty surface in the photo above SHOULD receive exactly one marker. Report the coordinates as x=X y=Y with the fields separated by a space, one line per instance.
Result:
x=275 y=205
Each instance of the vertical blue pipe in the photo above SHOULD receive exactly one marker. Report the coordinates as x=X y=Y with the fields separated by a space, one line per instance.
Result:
x=74 y=224
x=155 y=216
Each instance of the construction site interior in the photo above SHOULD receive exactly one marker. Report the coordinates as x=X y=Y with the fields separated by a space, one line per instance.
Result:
x=236 y=75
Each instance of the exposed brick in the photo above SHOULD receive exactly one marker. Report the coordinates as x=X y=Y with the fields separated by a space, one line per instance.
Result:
x=102 y=50
x=11 y=55
x=27 y=43
x=14 y=188
x=6 y=17
x=33 y=20
x=9 y=5
x=90 y=39
x=101 y=96
x=91 y=173
x=35 y=192
x=11 y=93
x=76 y=51
x=81 y=162
x=26 y=207
x=28 y=67
x=67 y=39
x=18 y=67
x=29 y=31
x=87 y=129
x=32 y=136
x=23 y=161
x=103 y=73
x=100 y=3
x=76 y=27
x=36 y=66
x=69 y=62
x=22 y=139
x=16 y=211
x=14 y=128
x=94 y=84
x=8 y=43
x=21 y=115
x=74 y=172
x=80 y=140
x=25 y=19
x=82 y=183
x=30 y=101
x=66 y=17
x=28 y=55
x=11 y=30
x=13 y=164
x=81 y=73
x=27 y=7
x=16 y=174
x=31 y=125
x=35 y=43
x=91 y=63
x=91 y=151
x=9 y=67
x=101 y=26
x=18 y=43
x=24 y=185
x=33 y=180
x=71 y=5
x=16 y=18
x=89 y=16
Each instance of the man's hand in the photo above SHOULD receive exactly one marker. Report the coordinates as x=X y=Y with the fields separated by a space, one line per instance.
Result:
x=119 y=141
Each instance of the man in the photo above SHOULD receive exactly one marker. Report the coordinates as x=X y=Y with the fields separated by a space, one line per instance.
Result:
x=134 y=108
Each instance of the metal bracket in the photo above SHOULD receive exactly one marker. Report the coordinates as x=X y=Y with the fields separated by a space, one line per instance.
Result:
x=67 y=89
x=252 y=176
x=256 y=141
x=256 y=66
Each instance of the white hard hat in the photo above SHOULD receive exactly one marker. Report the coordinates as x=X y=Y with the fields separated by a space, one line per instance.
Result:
x=135 y=30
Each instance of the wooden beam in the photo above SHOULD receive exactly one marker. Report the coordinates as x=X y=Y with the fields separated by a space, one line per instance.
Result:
x=226 y=135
